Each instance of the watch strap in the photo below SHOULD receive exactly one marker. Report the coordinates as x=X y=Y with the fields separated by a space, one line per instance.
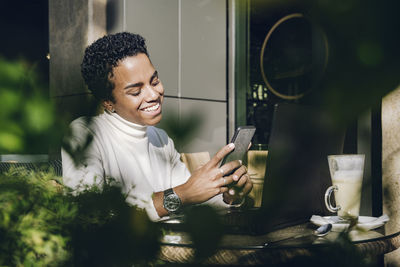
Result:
x=168 y=192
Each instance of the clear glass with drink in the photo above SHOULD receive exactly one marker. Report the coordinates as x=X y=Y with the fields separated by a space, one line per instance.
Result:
x=347 y=175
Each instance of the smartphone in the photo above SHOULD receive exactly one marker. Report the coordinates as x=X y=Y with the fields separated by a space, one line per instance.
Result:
x=241 y=139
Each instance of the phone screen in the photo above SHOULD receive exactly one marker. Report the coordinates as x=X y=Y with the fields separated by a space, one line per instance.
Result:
x=241 y=139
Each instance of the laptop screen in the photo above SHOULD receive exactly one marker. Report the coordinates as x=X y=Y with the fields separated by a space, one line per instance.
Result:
x=297 y=172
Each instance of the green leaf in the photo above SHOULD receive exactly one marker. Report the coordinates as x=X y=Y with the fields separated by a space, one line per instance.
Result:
x=39 y=115
x=10 y=142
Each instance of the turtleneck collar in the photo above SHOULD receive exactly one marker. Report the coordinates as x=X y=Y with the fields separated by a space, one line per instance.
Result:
x=131 y=129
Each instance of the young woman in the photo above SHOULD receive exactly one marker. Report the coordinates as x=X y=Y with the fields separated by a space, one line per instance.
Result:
x=128 y=148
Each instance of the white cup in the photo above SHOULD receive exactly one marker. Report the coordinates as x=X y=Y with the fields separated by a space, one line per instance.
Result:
x=347 y=175
x=256 y=164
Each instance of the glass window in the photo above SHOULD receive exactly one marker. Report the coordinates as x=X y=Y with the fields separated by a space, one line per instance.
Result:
x=286 y=55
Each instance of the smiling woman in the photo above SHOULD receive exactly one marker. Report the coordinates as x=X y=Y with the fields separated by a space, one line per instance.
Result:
x=138 y=93
x=123 y=144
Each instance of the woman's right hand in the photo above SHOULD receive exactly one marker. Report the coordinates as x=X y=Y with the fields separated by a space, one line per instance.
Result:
x=209 y=180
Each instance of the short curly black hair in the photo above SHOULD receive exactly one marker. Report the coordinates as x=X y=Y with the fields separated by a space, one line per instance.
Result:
x=103 y=55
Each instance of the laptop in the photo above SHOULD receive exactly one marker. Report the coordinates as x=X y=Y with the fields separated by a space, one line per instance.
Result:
x=297 y=172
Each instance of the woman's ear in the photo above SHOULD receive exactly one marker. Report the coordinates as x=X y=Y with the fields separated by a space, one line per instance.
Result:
x=108 y=105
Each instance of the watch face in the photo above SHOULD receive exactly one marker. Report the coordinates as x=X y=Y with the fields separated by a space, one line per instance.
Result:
x=172 y=203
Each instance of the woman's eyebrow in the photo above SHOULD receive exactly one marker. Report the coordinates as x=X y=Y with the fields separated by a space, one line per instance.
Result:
x=155 y=75
x=139 y=84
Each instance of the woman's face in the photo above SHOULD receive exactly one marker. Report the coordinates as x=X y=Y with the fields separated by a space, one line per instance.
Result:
x=138 y=93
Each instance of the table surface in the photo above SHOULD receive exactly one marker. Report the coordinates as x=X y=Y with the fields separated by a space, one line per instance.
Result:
x=279 y=245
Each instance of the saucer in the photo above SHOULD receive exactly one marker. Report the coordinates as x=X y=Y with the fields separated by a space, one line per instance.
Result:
x=364 y=222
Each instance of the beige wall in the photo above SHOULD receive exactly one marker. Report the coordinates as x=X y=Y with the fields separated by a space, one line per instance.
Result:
x=391 y=167
x=73 y=24
x=187 y=44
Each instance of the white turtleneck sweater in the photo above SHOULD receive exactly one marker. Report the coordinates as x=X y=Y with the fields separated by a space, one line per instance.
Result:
x=142 y=159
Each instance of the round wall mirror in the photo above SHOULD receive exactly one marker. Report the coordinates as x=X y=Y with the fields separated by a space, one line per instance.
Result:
x=293 y=56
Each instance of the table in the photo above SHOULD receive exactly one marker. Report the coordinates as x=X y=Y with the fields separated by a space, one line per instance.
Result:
x=241 y=249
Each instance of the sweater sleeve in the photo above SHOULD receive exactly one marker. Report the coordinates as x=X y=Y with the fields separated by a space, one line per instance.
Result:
x=145 y=202
x=179 y=172
x=90 y=171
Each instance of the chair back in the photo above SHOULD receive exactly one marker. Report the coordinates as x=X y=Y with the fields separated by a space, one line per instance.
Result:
x=193 y=161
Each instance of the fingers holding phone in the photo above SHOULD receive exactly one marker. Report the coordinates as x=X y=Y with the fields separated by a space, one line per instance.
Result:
x=240 y=187
x=221 y=172
x=209 y=180
x=220 y=155
x=241 y=184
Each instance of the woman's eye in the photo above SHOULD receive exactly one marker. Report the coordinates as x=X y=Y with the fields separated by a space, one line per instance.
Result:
x=155 y=83
x=135 y=93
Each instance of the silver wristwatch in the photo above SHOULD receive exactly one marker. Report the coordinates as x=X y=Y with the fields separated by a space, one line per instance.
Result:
x=172 y=203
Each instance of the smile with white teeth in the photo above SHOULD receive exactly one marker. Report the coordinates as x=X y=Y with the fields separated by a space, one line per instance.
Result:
x=152 y=108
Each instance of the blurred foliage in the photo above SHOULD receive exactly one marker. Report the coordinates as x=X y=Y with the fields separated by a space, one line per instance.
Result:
x=205 y=229
x=28 y=121
x=33 y=220
x=44 y=224
x=363 y=59
x=78 y=149
x=109 y=232
x=182 y=128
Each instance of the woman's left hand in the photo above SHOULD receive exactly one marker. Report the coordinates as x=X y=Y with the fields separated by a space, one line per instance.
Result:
x=239 y=188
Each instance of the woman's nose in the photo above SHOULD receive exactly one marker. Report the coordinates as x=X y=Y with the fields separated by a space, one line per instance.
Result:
x=152 y=93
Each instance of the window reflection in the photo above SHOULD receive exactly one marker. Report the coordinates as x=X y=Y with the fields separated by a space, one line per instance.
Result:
x=287 y=56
